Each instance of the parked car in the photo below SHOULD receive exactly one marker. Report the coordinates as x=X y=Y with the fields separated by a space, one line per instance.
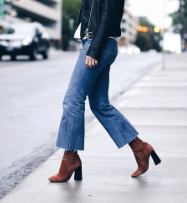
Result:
x=24 y=39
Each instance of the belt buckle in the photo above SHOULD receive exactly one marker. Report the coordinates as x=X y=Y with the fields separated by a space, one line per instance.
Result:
x=89 y=35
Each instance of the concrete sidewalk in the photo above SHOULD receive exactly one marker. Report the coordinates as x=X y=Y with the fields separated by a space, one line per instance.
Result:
x=156 y=105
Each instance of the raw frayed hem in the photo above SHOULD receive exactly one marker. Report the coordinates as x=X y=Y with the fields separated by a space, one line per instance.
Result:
x=62 y=147
x=128 y=141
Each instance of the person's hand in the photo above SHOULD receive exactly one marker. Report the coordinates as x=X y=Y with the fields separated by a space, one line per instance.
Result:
x=90 y=62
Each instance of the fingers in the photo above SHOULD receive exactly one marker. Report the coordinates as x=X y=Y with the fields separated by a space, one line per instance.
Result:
x=96 y=62
x=90 y=62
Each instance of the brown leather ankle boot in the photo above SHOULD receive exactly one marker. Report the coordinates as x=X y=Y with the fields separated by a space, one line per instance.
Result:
x=142 y=151
x=71 y=162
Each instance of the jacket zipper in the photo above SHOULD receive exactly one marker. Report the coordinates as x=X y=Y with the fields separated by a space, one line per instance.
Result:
x=87 y=33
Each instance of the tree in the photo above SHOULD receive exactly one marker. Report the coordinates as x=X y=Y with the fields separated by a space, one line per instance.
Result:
x=179 y=22
x=70 y=9
x=179 y=17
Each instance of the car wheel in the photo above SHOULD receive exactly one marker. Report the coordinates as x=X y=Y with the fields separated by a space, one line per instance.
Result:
x=13 y=57
x=45 y=54
x=33 y=55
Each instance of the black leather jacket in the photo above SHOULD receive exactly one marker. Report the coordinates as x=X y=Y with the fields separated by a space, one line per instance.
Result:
x=105 y=21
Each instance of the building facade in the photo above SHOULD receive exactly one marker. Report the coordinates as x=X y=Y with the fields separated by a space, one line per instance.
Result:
x=46 y=12
x=129 y=31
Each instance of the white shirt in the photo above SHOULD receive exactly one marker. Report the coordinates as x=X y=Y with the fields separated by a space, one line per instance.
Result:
x=77 y=34
x=116 y=38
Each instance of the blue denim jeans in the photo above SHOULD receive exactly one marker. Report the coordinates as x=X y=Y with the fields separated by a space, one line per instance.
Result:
x=94 y=83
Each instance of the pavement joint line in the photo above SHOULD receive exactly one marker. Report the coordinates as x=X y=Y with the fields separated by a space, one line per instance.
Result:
x=134 y=80
x=161 y=126
x=155 y=108
x=39 y=192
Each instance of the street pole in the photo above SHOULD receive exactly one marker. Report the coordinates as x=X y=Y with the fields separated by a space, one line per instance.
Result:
x=163 y=41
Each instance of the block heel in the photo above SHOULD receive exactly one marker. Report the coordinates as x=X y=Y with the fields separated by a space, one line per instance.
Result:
x=155 y=157
x=78 y=174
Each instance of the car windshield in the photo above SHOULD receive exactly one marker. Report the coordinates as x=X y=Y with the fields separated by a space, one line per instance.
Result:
x=19 y=30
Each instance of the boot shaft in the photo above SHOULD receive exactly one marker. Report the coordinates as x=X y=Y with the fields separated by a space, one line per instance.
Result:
x=138 y=145
x=71 y=158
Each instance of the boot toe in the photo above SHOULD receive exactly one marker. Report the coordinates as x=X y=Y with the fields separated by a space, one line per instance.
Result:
x=53 y=179
x=137 y=173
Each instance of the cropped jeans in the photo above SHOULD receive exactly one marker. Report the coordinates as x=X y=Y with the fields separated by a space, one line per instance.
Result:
x=94 y=83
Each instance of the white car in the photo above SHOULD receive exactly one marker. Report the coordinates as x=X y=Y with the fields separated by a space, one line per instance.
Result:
x=130 y=49
x=24 y=39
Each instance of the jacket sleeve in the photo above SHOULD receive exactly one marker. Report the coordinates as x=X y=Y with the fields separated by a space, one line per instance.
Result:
x=102 y=30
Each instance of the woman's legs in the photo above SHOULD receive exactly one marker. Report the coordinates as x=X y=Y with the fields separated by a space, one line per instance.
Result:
x=71 y=130
x=93 y=82
x=117 y=126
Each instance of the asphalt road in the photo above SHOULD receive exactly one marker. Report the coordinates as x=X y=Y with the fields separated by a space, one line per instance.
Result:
x=31 y=95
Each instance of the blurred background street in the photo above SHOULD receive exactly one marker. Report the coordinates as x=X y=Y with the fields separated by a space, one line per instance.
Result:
x=38 y=54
